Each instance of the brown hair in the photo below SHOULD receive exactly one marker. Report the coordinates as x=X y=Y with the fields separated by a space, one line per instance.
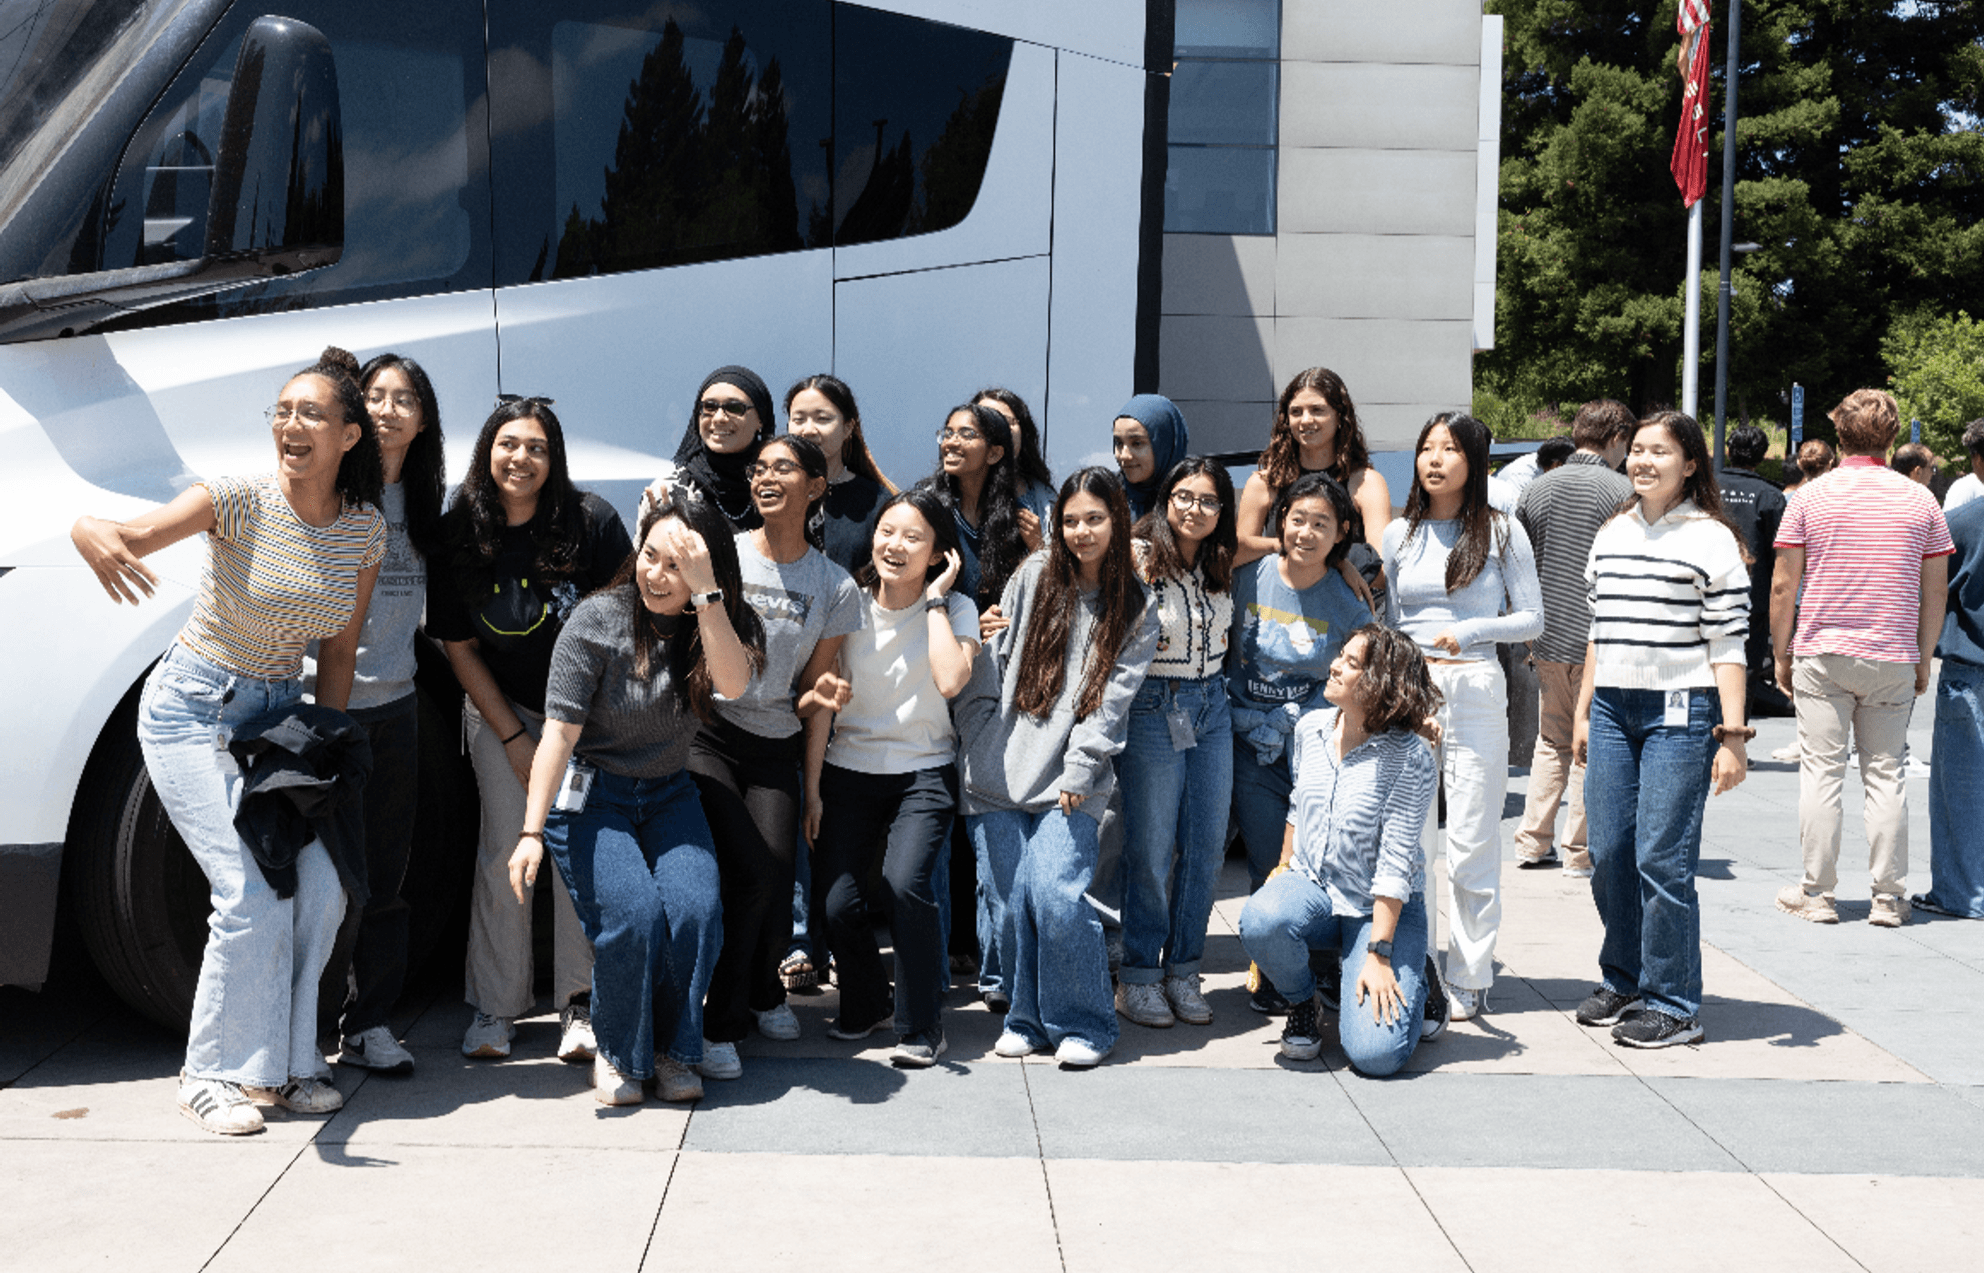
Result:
x=1600 y=423
x=1045 y=653
x=1398 y=691
x=1867 y=420
x=1699 y=486
x=1815 y=459
x=1281 y=462
x=1910 y=456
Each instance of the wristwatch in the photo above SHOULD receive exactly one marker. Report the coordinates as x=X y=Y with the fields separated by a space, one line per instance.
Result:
x=1380 y=948
x=699 y=600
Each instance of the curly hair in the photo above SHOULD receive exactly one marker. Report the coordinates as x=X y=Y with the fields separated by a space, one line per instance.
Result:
x=1215 y=556
x=361 y=473
x=1397 y=692
x=1001 y=549
x=1044 y=655
x=1281 y=462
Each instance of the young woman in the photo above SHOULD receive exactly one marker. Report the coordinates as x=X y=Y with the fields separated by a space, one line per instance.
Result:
x=371 y=952
x=746 y=759
x=1315 y=431
x=1356 y=883
x=636 y=666
x=1291 y=613
x=1659 y=726
x=1035 y=482
x=1176 y=770
x=821 y=409
x=291 y=557
x=889 y=780
x=1038 y=727
x=520 y=546
x=1148 y=437
x=731 y=417
x=1463 y=578
x=978 y=476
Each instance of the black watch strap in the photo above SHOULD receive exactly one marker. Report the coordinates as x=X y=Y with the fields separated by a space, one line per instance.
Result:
x=1383 y=948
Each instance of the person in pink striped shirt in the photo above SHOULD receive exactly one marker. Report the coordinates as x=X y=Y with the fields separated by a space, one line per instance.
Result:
x=1872 y=551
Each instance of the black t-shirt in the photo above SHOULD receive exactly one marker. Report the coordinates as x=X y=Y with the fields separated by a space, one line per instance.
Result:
x=511 y=610
x=850 y=510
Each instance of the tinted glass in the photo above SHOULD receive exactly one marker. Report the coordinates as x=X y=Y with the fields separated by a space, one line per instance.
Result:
x=1219 y=190
x=1232 y=103
x=1223 y=120
x=1228 y=28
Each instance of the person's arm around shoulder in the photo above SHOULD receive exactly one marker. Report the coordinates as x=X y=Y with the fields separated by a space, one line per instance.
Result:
x=1251 y=519
x=112 y=550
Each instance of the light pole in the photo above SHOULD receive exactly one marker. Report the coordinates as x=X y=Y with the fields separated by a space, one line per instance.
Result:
x=1728 y=230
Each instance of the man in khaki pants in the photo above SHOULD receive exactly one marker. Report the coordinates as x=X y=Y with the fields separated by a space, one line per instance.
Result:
x=1561 y=512
x=1872 y=551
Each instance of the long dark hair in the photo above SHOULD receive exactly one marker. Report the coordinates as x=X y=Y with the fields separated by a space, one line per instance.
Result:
x=943 y=533
x=1033 y=465
x=1699 y=486
x=688 y=670
x=854 y=453
x=1281 y=462
x=1044 y=657
x=1480 y=525
x=1323 y=487
x=814 y=461
x=1215 y=556
x=1000 y=548
x=557 y=525
x=361 y=474
x=424 y=475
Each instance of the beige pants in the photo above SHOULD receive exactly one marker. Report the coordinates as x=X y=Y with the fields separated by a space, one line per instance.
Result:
x=500 y=976
x=1552 y=771
x=1835 y=692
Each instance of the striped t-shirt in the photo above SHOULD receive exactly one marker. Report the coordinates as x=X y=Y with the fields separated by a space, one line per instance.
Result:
x=1669 y=600
x=1562 y=511
x=273 y=583
x=1866 y=530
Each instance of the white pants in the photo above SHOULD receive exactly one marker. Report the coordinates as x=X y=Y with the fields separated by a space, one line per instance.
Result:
x=1473 y=757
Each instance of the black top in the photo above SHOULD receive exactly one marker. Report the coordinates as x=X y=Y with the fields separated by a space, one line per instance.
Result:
x=512 y=611
x=1756 y=505
x=849 y=511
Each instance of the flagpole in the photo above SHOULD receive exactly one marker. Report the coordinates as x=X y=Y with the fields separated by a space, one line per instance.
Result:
x=1728 y=212
x=1691 y=329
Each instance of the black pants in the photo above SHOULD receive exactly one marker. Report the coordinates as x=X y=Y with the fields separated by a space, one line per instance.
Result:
x=914 y=812
x=367 y=970
x=750 y=790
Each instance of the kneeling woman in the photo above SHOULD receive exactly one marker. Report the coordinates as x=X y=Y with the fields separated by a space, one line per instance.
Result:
x=1038 y=726
x=1356 y=882
x=611 y=796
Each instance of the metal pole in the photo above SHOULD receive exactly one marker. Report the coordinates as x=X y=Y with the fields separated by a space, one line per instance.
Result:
x=1691 y=327
x=1728 y=214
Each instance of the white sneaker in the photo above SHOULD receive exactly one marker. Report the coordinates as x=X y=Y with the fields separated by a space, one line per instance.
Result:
x=575 y=1039
x=1013 y=1044
x=1790 y=751
x=1466 y=1003
x=488 y=1036
x=306 y=1095
x=376 y=1049
x=674 y=1081
x=218 y=1106
x=778 y=1024
x=1188 y=1003
x=1143 y=1005
x=720 y=1061
x=611 y=1087
x=1077 y=1055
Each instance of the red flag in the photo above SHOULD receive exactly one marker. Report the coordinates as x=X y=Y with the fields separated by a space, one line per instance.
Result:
x=1690 y=162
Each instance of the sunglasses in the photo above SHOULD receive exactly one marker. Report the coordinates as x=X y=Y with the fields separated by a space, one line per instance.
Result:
x=735 y=408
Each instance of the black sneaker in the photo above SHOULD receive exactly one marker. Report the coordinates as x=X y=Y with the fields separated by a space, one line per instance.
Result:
x=1435 y=1020
x=1549 y=861
x=1302 y=1037
x=1606 y=1006
x=921 y=1049
x=1653 y=1028
x=1267 y=1001
x=1327 y=966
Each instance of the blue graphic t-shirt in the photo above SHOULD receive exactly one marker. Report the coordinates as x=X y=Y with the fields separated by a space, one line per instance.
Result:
x=1283 y=640
x=802 y=603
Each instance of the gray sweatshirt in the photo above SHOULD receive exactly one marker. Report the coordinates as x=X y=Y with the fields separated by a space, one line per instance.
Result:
x=1012 y=760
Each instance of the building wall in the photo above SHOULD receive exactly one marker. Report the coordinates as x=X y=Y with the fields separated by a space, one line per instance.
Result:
x=1372 y=269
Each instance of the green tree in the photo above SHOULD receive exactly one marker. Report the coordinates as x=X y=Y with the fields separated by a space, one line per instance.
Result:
x=1938 y=365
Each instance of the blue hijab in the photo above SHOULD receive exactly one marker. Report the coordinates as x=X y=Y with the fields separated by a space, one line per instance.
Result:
x=1169 y=443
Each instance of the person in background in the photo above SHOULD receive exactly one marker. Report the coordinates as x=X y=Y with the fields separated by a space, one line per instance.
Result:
x=1815 y=459
x=1755 y=506
x=1035 y=484
x=1915 y=462
x=1971 y=485
x=1148 y=437
x=1561 y=513
x=730 y=418
x=1551 y=456
x=1315 y=430
x=291 y=556
x=371 y=951
x=1956 y=850
x=978 y=477
x=1871 y=551
x=520 y=546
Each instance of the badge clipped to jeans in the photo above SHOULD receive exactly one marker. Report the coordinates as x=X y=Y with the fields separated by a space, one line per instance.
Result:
x=572 y=792
x=1183 y=736
x=1676 y=716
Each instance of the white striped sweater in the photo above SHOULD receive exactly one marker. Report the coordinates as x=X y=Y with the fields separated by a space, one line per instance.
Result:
x=1668 y=600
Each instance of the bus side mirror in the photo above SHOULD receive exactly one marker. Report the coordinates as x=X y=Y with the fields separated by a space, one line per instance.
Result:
x=278 y=191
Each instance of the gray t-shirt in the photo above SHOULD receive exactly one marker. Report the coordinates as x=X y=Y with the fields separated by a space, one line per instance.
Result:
x=632 y=726
x=802 y=603
x=385 y=641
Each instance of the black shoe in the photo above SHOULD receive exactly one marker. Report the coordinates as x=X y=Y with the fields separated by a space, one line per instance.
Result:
x=1302 y=1037
x=1436 y=1002
x=1327 y=966
x=1268 y=1001
x=1548 y=862
x=1653 y=1028
x=921 y=1049
x=1606 y=1006
x=847 y=1031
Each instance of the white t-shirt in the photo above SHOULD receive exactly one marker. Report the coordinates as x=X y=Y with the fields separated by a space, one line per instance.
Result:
x=896 y=721
x=1962 y=491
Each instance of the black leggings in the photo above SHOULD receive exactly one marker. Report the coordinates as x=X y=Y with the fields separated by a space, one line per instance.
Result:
x=750 y=790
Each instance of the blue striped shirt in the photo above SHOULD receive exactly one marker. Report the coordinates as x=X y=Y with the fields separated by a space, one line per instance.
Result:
x=1357 y=823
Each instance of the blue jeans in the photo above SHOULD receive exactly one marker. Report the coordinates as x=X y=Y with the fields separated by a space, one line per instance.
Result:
x=641 y=868
x=1291 y=916
x=1956 y=775
x=1175 y=806
x=255 y=1007
x=1644 y=788
x=1260 y=806
x=1048 y=937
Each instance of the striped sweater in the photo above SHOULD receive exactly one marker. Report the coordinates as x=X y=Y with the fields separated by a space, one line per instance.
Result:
x=1668 y=600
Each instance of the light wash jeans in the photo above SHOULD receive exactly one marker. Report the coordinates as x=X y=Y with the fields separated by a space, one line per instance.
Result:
x=1956 y=776
x=1473 y=757
x=1049 y=938
x=1175 y=806
x=255 y=1008
x=1291 y=916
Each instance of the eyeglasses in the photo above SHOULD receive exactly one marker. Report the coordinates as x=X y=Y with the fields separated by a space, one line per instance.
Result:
x=780 y=468
x=1185 y=502
x=402 y=401
x=280 y=414
x=958 y=435
x=732 y=407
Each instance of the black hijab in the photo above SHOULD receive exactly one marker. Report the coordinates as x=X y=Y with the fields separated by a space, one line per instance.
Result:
x=726 y=478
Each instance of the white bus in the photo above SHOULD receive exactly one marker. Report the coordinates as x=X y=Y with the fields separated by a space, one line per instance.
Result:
x=596 y=201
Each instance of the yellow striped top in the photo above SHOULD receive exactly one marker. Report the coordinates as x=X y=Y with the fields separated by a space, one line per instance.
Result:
x=273 y=583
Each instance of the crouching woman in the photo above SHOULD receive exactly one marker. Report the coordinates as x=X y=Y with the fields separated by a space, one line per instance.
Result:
x=1356 y=881
x=610 y=797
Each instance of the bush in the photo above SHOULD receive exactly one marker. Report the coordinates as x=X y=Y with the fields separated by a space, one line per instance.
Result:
x=1936 y=372
x=1511 y=420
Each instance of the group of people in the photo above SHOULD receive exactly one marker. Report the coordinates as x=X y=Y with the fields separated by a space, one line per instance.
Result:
x=798 y=691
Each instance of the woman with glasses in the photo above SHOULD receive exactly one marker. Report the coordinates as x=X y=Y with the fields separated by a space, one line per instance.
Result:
x=1176 y=770
x=292 y=556
x=745 y=760
x=519 y=546
x=978 y=476
x=1035 y=482
x=732 y=415
x=821 y=409
x=371 y=952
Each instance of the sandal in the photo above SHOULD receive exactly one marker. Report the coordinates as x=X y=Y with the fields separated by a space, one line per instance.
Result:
x=797 y=972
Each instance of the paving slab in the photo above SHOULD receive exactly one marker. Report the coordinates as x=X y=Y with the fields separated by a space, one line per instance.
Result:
x=1891 y=1128
x=1892 y=1224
